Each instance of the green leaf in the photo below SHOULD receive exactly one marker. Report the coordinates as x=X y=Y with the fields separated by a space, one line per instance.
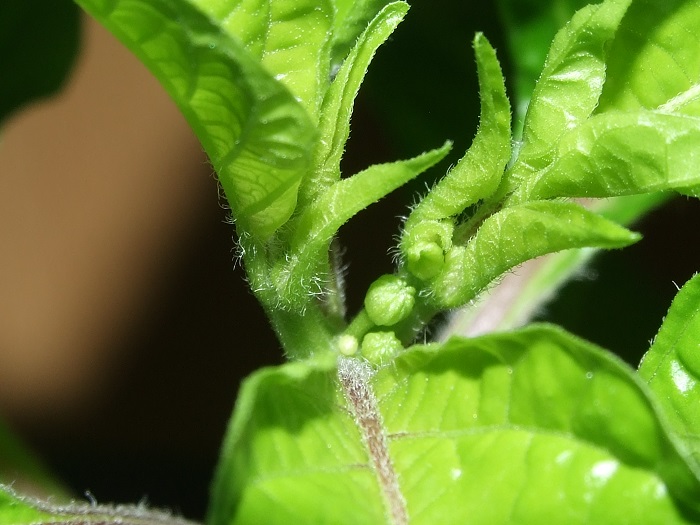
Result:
x=530 y=27
x=38 y=44
x=477 y=174
x=334 y=122
x=568 y=89
x=524 y=427
x=655 y=58
x=256 y=134
x=622 y=153
x=671 y=367
x=428 y=230
x=290 y=38
x=16 y=509
x=351 y=19
x=315 y=228
x=515 y=235
x=518 y=296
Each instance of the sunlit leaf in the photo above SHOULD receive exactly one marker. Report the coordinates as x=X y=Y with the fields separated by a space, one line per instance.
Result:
x=514 y=428
x=515 y=235
x=256 y=134
x=672 y=365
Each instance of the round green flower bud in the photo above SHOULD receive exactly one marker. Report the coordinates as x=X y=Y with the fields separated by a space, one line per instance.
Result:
x=389 y=300
x=380 y=347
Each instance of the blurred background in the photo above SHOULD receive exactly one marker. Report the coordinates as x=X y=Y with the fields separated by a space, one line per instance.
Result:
x=125 y=327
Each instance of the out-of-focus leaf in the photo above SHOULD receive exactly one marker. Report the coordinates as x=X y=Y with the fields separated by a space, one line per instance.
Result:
x=38 y=43
x=526 y=427
x=21 y=469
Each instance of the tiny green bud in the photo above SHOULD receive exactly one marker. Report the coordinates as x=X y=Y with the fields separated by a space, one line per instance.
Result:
x=380 y=347
x=346 y=344
x=389 y=300
x=425 y=259
x=424 y=246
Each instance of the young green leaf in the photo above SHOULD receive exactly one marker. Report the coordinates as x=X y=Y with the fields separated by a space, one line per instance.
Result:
x=316 y=226
x=477 y=174
x=622 y=153
x=672 y=366
x=427 y=233
x=257 y=135
x=530 y=28
x=520 y=295
x=334 y=123
x=509 y=428
x=351 y=19
x=291 y=39
x=568 y=89
x=515 y=235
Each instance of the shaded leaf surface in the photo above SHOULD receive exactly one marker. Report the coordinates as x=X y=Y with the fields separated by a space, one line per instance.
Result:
x=513 y=428
x=38 y=43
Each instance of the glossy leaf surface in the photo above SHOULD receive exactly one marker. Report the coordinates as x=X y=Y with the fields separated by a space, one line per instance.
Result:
x=510 y=428
x=655 y=59
x=530 y=27
x=570 y=85
x=672 y=365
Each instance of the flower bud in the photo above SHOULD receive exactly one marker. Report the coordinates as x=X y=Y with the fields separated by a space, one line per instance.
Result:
x=389 y=300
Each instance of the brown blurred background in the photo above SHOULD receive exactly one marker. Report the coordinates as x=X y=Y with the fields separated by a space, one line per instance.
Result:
x=121 y=341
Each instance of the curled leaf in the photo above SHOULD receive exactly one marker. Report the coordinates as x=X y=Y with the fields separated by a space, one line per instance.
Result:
x=515 y=235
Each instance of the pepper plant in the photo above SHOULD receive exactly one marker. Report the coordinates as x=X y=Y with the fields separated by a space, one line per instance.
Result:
x=368 y=421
